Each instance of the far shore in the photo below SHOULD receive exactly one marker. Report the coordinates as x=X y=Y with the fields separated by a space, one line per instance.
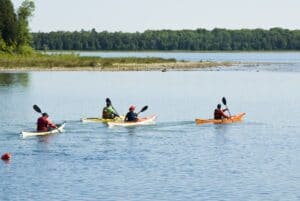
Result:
x=74 y=62
x=167 y=66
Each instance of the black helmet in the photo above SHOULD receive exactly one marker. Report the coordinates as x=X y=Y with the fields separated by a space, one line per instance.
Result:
x=45 y=114
x=219 y=106
x=108 y=100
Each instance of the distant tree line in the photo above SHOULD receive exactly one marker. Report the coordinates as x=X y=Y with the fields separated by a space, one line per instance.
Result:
x=14 y=27
x=200 y=39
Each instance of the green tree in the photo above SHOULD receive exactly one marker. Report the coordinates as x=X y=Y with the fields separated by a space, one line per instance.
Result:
x=2 y=44
x=8 y=22
x=25 y=11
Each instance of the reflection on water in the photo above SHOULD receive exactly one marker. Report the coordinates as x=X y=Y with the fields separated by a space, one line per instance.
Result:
x=9 y=79
x=220 y=131
x=45 y=139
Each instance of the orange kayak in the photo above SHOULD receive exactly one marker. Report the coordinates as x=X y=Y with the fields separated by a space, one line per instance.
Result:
x=232 y=119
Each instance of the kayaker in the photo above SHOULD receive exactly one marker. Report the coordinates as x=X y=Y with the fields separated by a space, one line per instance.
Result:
x=44 y=123
x=219 y=113
x=131 y=116
x=109 y=111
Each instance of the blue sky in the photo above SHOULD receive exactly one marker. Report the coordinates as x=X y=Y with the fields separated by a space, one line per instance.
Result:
x=140 y=15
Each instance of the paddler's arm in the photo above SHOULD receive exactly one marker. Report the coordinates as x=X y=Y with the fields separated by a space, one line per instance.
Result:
x=136 y=117
x=126 y=117
x=51 y=124
x=113 y=111
x=224 y=115
x=116 y=115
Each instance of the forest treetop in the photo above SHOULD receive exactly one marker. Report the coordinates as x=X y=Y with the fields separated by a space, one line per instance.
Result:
x=199 y=39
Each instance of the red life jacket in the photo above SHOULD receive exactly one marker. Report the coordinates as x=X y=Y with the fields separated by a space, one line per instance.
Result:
x=219 y=114
x=43 y=124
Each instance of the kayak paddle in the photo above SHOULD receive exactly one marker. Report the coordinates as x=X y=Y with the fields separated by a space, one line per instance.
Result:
x=143 y=109
x=224 y=101
x=37 y=109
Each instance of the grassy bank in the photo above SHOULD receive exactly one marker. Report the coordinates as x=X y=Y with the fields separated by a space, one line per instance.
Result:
x=70 y=60
x=75 y=62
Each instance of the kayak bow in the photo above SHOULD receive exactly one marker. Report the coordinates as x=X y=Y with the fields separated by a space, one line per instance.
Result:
x=232 y=119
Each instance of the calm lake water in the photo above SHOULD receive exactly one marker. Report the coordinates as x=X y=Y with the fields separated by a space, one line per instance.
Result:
x=279 y=57
x=172 y=160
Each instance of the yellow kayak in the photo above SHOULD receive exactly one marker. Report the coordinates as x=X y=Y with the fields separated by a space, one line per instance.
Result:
x=101 y=120
x=232 y=119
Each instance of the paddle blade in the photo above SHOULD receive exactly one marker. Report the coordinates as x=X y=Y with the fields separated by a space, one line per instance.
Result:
x=144 y=108
x=224 y=101
x=37 y=109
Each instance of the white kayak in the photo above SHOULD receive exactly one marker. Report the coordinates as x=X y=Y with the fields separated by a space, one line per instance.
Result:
x=142 y=121
x=60 y=129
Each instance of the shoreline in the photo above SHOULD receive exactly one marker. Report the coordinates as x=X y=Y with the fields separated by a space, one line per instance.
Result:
x=171 y=51
x=119 y=67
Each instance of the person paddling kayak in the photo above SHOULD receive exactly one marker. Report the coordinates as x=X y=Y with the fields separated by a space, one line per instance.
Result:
x=109 y=111
x=219 y=113
x=131 y=116
x=44 y=123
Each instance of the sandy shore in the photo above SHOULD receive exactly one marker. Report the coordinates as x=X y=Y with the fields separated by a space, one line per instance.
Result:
x=180 y=65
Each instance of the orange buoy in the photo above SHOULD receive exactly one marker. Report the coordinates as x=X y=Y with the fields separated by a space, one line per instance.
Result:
x=6 y=156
